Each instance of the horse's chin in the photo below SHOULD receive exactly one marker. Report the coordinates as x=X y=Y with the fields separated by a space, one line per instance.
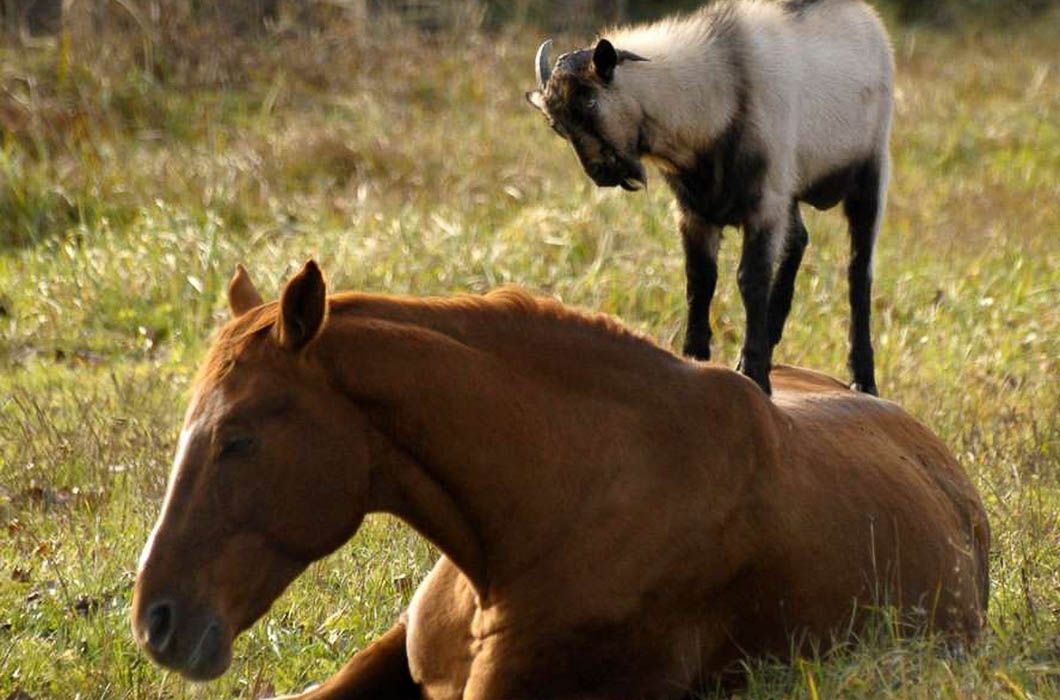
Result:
x=211 y=656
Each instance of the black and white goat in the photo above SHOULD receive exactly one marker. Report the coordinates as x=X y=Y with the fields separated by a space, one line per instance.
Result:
x=747 y=108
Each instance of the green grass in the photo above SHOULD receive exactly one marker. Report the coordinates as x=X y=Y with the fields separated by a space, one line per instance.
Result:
x=406 y=164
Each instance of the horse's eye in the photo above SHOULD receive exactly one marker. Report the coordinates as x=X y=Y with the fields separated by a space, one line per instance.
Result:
x=235 y=446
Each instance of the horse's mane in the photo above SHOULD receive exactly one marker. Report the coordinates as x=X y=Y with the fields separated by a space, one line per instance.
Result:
x=508 y=311
x=232 y=340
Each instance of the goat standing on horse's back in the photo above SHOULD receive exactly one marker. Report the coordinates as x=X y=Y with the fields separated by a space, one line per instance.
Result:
x=747 y=108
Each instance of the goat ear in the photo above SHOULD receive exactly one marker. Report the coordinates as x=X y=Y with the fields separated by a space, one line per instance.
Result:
x=242 y=294
x=605 y=58
x=624 y=55
x=536 y=98
x=303 y=306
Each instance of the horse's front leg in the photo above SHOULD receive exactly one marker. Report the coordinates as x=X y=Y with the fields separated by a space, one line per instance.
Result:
x=754 y=278
x=701 y=241
x=379 y=672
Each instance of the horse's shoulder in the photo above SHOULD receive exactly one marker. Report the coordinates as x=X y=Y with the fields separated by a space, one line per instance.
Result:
x=440 y=642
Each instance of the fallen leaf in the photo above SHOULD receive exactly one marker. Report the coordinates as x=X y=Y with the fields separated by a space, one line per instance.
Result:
x=34 y=492
x=86 y=605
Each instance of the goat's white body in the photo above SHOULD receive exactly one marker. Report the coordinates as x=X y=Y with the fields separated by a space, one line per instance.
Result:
x=817 y=84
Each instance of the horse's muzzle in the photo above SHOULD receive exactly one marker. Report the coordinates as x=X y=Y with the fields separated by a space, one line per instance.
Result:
x=193 y=643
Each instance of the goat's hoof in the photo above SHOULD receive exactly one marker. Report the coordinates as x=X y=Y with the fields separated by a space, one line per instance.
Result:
x=869 y=389
x=696 y=351
x=759 y=376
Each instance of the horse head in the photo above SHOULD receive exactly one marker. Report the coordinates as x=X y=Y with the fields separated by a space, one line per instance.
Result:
x=271 y=473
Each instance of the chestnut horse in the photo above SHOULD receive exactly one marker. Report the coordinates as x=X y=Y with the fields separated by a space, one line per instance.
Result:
x=616 y=522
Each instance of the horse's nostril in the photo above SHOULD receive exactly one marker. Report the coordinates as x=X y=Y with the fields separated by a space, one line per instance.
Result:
x=160 y=625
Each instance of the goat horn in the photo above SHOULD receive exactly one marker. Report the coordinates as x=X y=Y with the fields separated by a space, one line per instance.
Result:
x=541 y=63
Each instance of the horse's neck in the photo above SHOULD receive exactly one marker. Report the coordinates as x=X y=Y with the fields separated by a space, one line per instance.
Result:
x=489 y=461
x=539 y=338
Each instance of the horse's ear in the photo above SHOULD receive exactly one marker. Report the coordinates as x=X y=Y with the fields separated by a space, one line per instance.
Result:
x=242 y=295
x=303 y=306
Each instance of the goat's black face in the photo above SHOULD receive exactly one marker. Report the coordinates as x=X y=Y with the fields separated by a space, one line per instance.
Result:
x=585 y=107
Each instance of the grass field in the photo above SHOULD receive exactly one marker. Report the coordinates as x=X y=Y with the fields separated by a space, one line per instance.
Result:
x=134 y=175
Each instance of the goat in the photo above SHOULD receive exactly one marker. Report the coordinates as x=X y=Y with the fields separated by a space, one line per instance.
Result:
x=747 y=108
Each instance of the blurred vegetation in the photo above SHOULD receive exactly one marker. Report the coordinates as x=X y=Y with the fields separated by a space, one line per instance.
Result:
x=559 y=14
x=145 y=150
x=952 y=12
x=44 y=17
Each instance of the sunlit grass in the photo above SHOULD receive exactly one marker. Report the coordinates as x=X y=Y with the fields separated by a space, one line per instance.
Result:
x=413 y=165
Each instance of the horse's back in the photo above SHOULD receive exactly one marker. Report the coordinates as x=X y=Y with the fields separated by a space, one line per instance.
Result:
x=799 y=380
x=864 y=490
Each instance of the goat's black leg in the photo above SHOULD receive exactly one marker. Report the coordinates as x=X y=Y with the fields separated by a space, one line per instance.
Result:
x=783 y=288
x=701 y=241
x=756 y=270
x=863 y=211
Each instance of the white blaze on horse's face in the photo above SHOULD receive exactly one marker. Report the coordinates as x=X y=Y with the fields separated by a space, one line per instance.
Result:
x=182 y=447
x=189 y=428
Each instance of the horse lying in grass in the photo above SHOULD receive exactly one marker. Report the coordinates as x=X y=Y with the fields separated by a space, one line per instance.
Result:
x=616 y=522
